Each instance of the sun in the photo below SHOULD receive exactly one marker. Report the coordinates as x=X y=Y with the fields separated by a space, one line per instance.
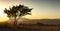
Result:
x=1 y=13
x=3 y=16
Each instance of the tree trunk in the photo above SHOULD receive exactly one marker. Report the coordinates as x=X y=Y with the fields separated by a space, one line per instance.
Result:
x=15 y=21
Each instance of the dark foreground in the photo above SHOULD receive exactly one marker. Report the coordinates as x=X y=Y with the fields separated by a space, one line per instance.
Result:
x=29 y=27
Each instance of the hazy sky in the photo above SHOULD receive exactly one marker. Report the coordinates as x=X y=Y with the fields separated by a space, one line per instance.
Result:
x=42 y=8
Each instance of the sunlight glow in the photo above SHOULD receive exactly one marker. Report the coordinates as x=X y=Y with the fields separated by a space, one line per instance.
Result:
x=41 y=9
x=3 y=16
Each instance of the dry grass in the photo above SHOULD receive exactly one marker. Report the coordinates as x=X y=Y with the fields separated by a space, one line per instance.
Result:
x=27 y=27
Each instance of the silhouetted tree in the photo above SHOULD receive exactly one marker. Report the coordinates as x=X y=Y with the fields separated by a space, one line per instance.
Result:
x=17 y=12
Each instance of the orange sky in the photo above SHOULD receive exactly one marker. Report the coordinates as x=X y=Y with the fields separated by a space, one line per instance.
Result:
x=42 y=9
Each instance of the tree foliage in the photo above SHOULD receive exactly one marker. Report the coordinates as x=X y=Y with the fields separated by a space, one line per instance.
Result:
x=18 y=11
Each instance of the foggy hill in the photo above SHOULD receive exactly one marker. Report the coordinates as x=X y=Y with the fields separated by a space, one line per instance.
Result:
x=34 y=21
x=44 y=21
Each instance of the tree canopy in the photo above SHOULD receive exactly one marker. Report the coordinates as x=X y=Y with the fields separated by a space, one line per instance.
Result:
x=17 y=11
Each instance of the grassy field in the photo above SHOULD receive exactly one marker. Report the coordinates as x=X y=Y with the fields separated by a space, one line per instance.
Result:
x=28 y=27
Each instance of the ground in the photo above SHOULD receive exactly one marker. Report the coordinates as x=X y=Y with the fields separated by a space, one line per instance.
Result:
x=29 y=27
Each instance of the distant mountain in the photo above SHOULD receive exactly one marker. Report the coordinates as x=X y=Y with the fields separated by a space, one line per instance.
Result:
x=44 y=21
x=34 y=21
